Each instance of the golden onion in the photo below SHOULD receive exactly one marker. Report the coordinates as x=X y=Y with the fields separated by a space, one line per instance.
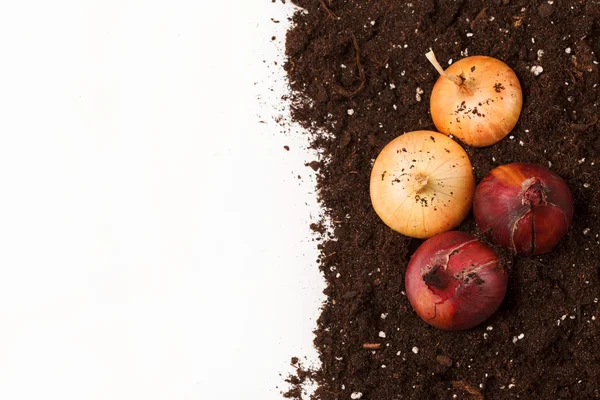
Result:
x=422 y=184
x=477 y=99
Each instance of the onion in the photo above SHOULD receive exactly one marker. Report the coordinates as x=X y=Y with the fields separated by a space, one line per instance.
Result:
x=454 y=281
x=422 y=184
x=524 y=207
x=477 y=99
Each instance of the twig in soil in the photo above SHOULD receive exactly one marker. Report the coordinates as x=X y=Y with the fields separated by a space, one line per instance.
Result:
x=577 y=71
x=380 y=64
x=478 y=17
x=361 y=72
x=583 y=127
x=371 y=346
x=328 y=10
x=518 y=21
x=468 y=388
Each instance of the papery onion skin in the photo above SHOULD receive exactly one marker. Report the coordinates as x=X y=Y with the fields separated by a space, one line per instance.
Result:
x=455 y=282
x=526 y=208
x=486 y=109
x=422 y=184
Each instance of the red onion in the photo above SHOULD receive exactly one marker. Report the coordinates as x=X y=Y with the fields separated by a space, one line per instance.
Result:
x=454 y=281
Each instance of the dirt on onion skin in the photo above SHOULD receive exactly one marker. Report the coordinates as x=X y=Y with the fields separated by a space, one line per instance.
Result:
x=355 y=68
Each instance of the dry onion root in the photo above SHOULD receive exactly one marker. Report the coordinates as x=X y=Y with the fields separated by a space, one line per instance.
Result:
x=477 y=99
x=422 y=184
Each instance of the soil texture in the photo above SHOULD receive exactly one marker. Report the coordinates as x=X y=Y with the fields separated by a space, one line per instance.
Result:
x=359 y=78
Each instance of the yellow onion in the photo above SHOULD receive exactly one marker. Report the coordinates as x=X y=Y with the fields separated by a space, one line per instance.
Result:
x=477 y=99
x=422 y=184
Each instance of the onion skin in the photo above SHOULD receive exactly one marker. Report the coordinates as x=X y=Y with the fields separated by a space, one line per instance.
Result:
x=422 y=184
x=524 y=207
x=455 y=282
x=485 y=108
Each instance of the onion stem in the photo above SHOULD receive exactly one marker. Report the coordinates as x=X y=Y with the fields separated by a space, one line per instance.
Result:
x=456 y=79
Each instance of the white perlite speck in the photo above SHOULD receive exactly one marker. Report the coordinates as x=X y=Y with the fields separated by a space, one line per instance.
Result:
x=586 y=185
x=419 y=93
x=568 y=50
x=587 y=231
x=392 y=86
x=384 y=315
x=356 y=395
x=469 y=34
x=521 y=142
x=510 y=385
x=372 y=22
x=581 y=161
x=350 y=112
x=511 y=137
x=415 y=350
x=536 y=70
x=515 y=339
x=521 y=336
x=490 y=328
x=540 y=53
x=450 y=62
x=382 y=334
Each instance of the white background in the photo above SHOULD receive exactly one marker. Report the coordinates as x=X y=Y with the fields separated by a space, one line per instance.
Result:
x=154 y=239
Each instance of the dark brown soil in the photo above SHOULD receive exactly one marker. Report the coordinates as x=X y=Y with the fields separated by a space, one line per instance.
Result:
x=368 y=57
